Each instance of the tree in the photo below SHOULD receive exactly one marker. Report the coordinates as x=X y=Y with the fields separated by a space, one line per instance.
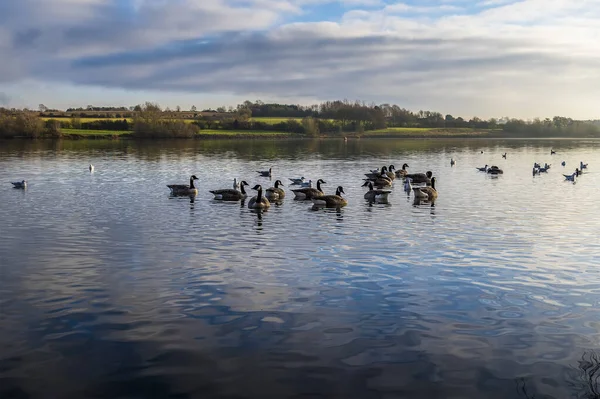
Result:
x=310 y=125
x=178 y=108
x=42 y=108
x=193 y=109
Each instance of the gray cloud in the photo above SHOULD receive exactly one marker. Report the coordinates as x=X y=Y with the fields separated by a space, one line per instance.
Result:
x=4 y=99
x=457 y=62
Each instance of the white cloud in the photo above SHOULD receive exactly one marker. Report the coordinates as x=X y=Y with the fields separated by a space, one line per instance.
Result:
x=525 y=58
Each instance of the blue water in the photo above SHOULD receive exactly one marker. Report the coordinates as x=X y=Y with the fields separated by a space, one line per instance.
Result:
x=110 y=288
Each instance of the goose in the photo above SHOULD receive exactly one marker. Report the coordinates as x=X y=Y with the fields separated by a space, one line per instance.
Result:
x=390 y=172
x=381 y=182
x=265 y=173
x=309 y=192
x=331 y=201
x=452 y=162
x=494 y=170
x=543 y=170
x=582 y=165
x=536 y=165
x=420 y=178
x=91 y=168
x=184 y=189
x=577 y=171
x=20 y=184
x=229 y=194
x=552 y=152
x=236 y=185
x=374 y=175
x=563 y=163
x=426 y=193
x=504 y=155
x=402 y=172
x=258 y=201
x=484 y=169
x=536 y=171
x=297 y=180
x=571 y=177
x=275 y=193
x=375 y=195
x=407 y=186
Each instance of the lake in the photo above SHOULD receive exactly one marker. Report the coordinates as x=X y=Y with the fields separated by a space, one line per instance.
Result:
x=111 y=288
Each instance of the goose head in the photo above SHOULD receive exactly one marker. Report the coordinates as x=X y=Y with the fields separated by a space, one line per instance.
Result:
x=392 y=168
x=278 y=183
x=257 y=187
x=193 y=177
x=405 y=166
x=339 y=190
x=368 y=184
x=429 y=174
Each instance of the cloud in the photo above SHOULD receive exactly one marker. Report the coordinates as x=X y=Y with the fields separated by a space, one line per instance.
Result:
x=4 y=99
x=500 y=58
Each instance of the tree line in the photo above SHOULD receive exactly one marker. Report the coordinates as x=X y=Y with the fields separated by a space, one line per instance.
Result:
x=330 y=117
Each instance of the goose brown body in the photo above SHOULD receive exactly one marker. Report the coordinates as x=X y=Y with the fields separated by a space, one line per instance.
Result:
x=309 y=192
x=258 y=201
x=331 y=201
x=229 y=194
x=275 y=193
x=184 y=189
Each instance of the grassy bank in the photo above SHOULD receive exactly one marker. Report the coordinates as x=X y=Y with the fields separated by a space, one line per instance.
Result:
x=428 y=132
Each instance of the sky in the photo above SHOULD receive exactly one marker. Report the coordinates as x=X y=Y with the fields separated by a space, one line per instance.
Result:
x=486 y=58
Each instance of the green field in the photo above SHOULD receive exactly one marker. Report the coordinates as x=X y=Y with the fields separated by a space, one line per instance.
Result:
x=85 y=120
x=424 y=132
x=249 y=133
x=87 y=132
x=273 y=121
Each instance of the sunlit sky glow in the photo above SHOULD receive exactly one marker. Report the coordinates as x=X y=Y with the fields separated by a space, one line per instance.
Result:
x=490 y=58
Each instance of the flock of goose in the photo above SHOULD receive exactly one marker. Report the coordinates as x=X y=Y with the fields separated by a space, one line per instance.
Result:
x=378 y=181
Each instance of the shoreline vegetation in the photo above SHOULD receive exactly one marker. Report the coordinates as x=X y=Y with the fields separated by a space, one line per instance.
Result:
x=257 y=120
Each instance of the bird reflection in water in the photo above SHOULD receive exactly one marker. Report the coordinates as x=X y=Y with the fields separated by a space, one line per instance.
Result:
x=259 y=223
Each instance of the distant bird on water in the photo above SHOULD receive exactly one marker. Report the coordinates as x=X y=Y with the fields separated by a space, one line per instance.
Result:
x=504 y=156
x=20 y=184
x=91 y=168
x=452 y=162
x=264 y=173
x=552 y=152
x=563 y=163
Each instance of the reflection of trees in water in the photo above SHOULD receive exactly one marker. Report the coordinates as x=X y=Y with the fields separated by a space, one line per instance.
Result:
x=583 y=379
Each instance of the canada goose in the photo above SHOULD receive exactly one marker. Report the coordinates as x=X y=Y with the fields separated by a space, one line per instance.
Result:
x=420 y=177
x=236 y=185
x=298 y=180
x=577 y=172
x=377 y=174
x=275 y=193
x=229 y=194
x=309 y=192
x=570 y=177
x=375 y=195
x=536 y=171
x=407 y=186
x=504 y=156
x=91 y=167
x=552 y=152
x=381 y=182
x=331 y=200
x=184 y=189
x=402 y=172
x=494 y=170
x=264 y=173
x=582 y=165
x=563 y=163
x=426 y=193
x=258 y=202
x=484 y=169
x=20 y=184
x=543 y=170
x=390 y=172
x=452 y=162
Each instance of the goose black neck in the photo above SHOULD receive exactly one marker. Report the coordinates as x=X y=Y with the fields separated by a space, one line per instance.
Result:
x=337 y=192
x=319 y=186
x=259 y=195
x=192 y=183
x=242 y=190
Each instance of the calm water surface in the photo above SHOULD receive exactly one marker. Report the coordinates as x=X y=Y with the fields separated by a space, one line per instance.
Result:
x=109 y=288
